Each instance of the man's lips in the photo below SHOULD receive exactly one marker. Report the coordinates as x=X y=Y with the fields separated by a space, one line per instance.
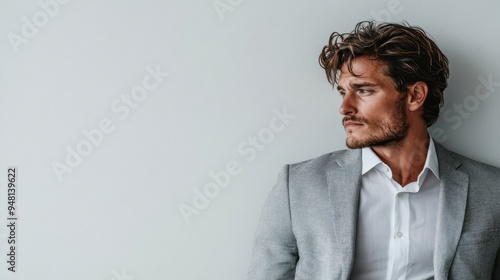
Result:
x=352 y=124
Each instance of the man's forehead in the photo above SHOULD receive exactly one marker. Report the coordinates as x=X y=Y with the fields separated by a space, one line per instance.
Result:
x=362 y=65
x=362 y=70
x=348 y=79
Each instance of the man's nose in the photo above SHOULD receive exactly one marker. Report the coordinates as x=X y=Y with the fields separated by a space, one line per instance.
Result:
x=347 y=107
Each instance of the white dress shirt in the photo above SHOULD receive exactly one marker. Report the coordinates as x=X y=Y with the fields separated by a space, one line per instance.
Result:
x=396 y=225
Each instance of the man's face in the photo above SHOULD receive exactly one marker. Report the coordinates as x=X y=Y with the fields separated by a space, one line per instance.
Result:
x=374 y=111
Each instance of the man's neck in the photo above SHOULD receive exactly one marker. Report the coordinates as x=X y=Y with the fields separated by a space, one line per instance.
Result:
x=405 y=158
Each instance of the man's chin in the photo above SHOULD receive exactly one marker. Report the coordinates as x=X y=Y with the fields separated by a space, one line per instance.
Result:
x=355 y=144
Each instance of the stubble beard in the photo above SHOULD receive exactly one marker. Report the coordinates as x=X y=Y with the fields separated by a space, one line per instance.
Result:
x=392 y=132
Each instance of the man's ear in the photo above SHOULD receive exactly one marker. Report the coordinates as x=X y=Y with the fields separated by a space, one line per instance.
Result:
x=417 y=93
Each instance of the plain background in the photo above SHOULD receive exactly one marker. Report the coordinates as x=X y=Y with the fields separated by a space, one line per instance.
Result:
x=117 y=213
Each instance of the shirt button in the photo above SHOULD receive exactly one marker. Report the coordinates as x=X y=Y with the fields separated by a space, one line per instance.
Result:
x=399 y=234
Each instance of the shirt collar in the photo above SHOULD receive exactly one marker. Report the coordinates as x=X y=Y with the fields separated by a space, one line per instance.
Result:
x=370 y=160
x=431 y=162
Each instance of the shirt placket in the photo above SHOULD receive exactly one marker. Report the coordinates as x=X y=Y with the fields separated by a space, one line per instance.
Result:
x=399 y=244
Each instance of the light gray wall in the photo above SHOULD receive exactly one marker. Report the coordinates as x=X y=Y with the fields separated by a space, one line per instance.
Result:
x=231 y=74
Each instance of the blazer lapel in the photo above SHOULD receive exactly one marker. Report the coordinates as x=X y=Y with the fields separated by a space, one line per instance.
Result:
x=451 y=211
x=344 y=187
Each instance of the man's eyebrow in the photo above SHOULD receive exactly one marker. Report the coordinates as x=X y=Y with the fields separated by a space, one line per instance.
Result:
x=358 y=85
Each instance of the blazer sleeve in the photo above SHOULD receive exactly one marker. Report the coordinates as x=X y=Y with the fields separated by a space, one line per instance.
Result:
x=275 y=253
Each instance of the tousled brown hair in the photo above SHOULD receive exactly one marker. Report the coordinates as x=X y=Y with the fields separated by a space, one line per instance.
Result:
x=409 y=54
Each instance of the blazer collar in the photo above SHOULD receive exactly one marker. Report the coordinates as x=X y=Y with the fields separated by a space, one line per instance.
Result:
x=454 y=187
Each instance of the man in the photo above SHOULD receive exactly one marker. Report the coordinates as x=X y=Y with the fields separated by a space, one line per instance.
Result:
x=396 y=205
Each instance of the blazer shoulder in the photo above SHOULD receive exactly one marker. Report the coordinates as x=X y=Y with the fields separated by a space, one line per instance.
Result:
x=484 y=175
x=466 y=163
x=324 y=162
x=471 y=163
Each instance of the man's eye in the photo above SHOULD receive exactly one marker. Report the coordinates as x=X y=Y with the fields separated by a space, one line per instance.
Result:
x=364 y=91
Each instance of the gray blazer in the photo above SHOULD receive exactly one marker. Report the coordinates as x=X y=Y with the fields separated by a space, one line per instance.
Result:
x=308 y=225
